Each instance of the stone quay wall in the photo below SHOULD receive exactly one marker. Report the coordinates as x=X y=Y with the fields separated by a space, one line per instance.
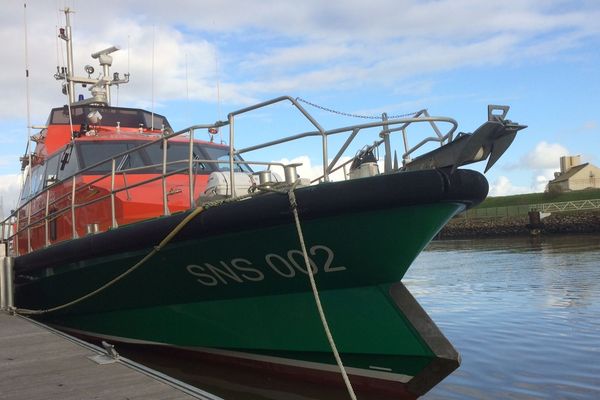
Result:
x=556 y=223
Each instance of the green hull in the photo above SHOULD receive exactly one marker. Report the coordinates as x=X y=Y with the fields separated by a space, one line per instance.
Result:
x=247 y=295
x=362 y=249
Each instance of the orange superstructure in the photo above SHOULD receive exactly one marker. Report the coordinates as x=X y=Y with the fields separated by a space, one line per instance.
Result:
x=111 y=173
x=96 y=167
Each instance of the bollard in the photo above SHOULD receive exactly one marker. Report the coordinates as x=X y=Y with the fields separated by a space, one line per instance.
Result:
x=290 y=173
x=535 y=224
x=3 y=300
x=6 y=279
x=534 y=217
x=9 y=283
x=264 y=178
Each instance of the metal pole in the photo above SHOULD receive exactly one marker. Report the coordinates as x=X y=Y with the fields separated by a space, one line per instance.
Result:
x=191 y=169
x=3 y=290
x=325 y=172
x=164 y=178
x=69 y=57
x=6 y=279
x=388 y=148
x=112 y=195
x=106 y=72
x=29 y=227
x=73 y=226
x=17 y=232
x=406 y=157
x=9 y=282
x=231 y=171
x=46 y=218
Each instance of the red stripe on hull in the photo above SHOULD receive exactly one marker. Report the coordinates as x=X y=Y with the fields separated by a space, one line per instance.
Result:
x=365 y=387
x=372 y=387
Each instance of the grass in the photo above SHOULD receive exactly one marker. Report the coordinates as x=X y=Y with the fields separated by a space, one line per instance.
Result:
x=537 y=198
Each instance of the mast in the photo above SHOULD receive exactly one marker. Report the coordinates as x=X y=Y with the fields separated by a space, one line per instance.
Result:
x=66 y=36
x=100 y=87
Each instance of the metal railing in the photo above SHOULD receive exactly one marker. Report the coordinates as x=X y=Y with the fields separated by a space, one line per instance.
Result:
x=522 y=210
x=387 y=128
x=567 y=206
x=22 y=222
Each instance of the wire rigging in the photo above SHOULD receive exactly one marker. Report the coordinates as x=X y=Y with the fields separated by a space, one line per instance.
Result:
x=27 y=95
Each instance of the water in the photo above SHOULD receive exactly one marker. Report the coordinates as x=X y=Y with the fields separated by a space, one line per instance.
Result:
x=523 y=312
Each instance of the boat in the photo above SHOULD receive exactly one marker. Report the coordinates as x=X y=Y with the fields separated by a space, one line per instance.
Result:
x=130 y=232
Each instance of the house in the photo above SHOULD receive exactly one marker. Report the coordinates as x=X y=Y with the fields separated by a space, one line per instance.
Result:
x=574 y=175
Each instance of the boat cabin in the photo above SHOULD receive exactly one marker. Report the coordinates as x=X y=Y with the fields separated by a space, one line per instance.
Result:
x=103 y=166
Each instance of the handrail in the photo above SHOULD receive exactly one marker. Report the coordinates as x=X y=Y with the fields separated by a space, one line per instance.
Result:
x=36 y=216
x=112 y=194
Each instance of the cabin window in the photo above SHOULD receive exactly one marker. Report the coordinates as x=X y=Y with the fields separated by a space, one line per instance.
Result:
x=26 y=190
x=33 y=183
x=51 y=170
x=222 y=155
x=151 y=157
x=92 y=153
x=37 y=179
x=67 y=163
x=177 y=157
x=126 y=117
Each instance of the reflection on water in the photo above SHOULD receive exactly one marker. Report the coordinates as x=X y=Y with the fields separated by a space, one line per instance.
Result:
x=523 y=312
x=229 y=382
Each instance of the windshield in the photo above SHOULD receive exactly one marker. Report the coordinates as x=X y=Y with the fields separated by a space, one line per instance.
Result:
x=148 y=160
x=125 y=117
x=221 y=154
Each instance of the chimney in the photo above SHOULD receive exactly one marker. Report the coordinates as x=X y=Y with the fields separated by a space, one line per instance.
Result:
x=568 y=162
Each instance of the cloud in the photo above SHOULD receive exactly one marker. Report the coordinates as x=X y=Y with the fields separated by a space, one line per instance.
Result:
x=541 y=181
x=504 y=187
x=9 y=193
x=542 y=161
x=269 y=47
x=544 y=156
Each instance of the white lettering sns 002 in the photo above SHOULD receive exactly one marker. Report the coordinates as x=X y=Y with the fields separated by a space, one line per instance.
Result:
x=242 y=270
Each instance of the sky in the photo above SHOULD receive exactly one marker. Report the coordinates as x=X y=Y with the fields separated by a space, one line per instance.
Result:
x=195 y=61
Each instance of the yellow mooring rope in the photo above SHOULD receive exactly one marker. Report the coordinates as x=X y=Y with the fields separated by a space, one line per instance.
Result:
x=313 y=285
x=148 y=256
x=180 y=226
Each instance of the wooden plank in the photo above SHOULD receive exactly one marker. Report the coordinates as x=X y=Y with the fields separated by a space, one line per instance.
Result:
x=36 y=363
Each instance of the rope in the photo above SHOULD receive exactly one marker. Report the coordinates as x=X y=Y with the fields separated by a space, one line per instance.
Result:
x=313 y=285
x=181 y=225
x=148 y=256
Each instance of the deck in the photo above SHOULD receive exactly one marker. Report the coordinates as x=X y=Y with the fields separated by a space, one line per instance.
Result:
x=37 y=362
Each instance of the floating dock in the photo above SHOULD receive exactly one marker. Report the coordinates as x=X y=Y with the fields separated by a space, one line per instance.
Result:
x=37 y=362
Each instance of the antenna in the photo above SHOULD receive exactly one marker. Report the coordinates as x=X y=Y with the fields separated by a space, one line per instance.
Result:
x=218 y=92
x=152 y=109
x=128 y=53
x=27 y=157
x=187 y=90
x=27 y=75
x=65 y=34
x=100 y=87
x=105 y=52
